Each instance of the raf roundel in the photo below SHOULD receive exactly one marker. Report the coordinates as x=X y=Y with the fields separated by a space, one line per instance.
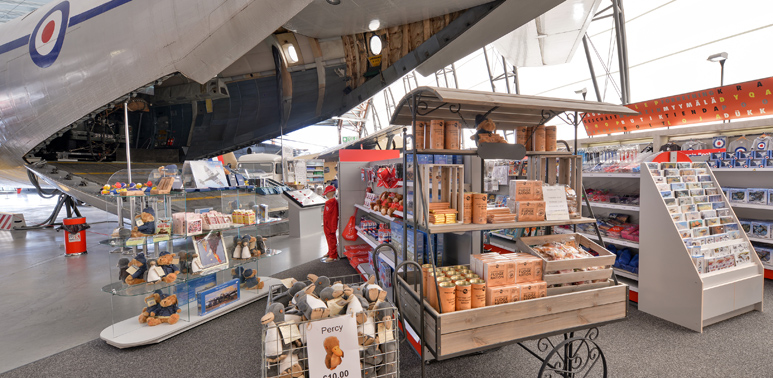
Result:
x=48 y=37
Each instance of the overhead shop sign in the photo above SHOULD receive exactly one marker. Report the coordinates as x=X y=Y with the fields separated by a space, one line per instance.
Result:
x=736 y=101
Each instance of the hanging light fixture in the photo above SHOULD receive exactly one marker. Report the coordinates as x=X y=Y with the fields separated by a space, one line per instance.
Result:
x=333 y=2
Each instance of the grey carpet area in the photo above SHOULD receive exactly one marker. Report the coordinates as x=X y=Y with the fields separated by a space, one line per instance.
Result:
x=642 y=346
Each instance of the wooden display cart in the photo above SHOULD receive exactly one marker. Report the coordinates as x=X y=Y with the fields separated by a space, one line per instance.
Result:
x=448 y=335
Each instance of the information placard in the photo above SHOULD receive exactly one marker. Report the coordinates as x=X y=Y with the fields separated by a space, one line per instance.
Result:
x=556 y=207
x=333 y=349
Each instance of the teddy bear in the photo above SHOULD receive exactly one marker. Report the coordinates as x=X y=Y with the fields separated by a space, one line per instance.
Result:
x=251 y=280
x=140 y=265
x=485 y=131
x=167 y=312
x=123 y=264
x=334 y=353
x=165 y=261
x=154 y=299
x=145 y=223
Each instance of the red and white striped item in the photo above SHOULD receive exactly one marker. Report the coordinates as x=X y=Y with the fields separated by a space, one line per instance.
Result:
x=9 y=220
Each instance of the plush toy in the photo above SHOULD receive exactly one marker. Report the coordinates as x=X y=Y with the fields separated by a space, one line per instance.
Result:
x=311 y=307
x=242 y=248
x=274 y=346
x=153 y=276
x=196 y=266
x=251 y=280
x=384 y=314
x=335 y=306
x=145 y=222
x=334 y=355
x=287 y=296
x=185 y=262
x=165 y=260
x=153 y=306
x=140 y=267
x=371 y=358
x=168 y=311
x=257 y=245
x=238 y=273
x=320 y=283
x=486 y=131
x=373 y=293
x=123 y=264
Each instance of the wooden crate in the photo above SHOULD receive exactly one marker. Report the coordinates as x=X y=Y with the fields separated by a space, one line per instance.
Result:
x=446 y=184
x=462 y=332
x=605 y=259
x=557 y=168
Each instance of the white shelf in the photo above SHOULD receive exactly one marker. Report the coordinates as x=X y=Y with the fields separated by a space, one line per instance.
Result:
x=755 y=206
x=129 y=333
x=503 y=236
x=366 y=270
x=388 y=257
x=624 y=273
x=365 y=237
x=761 y=240
x=615 y=241
x=375 y=213
x=610 y=175
x=742 y=169
x=612 y=206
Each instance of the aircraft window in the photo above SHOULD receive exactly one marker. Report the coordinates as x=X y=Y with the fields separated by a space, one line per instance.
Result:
x=291 y=53
x=278 y=169
x=375 y=44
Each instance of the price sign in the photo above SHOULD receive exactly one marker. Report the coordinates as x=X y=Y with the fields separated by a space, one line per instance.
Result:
x=556 y=207
x=333 y=349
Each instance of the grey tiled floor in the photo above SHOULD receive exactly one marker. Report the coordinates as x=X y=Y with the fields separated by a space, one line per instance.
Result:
x=51 y=302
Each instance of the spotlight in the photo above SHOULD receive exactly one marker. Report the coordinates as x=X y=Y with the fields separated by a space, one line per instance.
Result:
x=717 y=57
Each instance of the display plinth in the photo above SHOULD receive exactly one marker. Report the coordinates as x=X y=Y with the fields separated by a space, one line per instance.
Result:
x=671 y=287
x=146 y=335
x=304 y=220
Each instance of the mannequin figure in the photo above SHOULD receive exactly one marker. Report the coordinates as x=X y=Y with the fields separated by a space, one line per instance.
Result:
x=330 y=223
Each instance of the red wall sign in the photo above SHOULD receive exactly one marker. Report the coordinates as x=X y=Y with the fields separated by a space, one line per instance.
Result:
x=743 y=100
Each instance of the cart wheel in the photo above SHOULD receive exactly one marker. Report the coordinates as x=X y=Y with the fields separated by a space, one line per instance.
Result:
x=574 y=357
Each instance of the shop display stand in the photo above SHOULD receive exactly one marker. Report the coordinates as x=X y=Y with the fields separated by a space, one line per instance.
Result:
x=672 y=288
x=129 y=299
x=750 y=178
x=448 y=335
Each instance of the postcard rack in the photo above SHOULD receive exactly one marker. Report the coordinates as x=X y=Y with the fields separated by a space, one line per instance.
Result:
x=185 y=260
x=575 y=315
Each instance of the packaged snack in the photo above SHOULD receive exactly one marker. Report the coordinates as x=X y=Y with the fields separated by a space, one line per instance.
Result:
x=533 y=290
x=502 y=294
x=530 y=211
x=526 y=190
x=498 y=272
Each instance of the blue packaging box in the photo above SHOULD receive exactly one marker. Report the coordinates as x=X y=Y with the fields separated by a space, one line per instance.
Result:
x=423 y=158
x=757 y=196
x=740 y=163
x=397 y=235
x=764 y=154
x=438 y=250
x=756 y=163
x=442 y=159
x=743 y=155
x=725 y=163
x=458 y=159
x=717 y=155
x=421 y=245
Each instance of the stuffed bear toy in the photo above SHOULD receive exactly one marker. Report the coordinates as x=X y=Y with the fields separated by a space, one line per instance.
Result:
x=141 y=266
x=485 y=131
x=145 y=223
x=167 y=312
x=153 y=298
x=251 y=280
x=165 y=261
x=123 y=264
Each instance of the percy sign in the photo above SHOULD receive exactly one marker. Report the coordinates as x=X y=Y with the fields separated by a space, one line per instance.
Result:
x=333 y=349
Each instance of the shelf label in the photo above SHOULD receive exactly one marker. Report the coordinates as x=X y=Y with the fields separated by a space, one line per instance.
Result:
x=556 y=207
